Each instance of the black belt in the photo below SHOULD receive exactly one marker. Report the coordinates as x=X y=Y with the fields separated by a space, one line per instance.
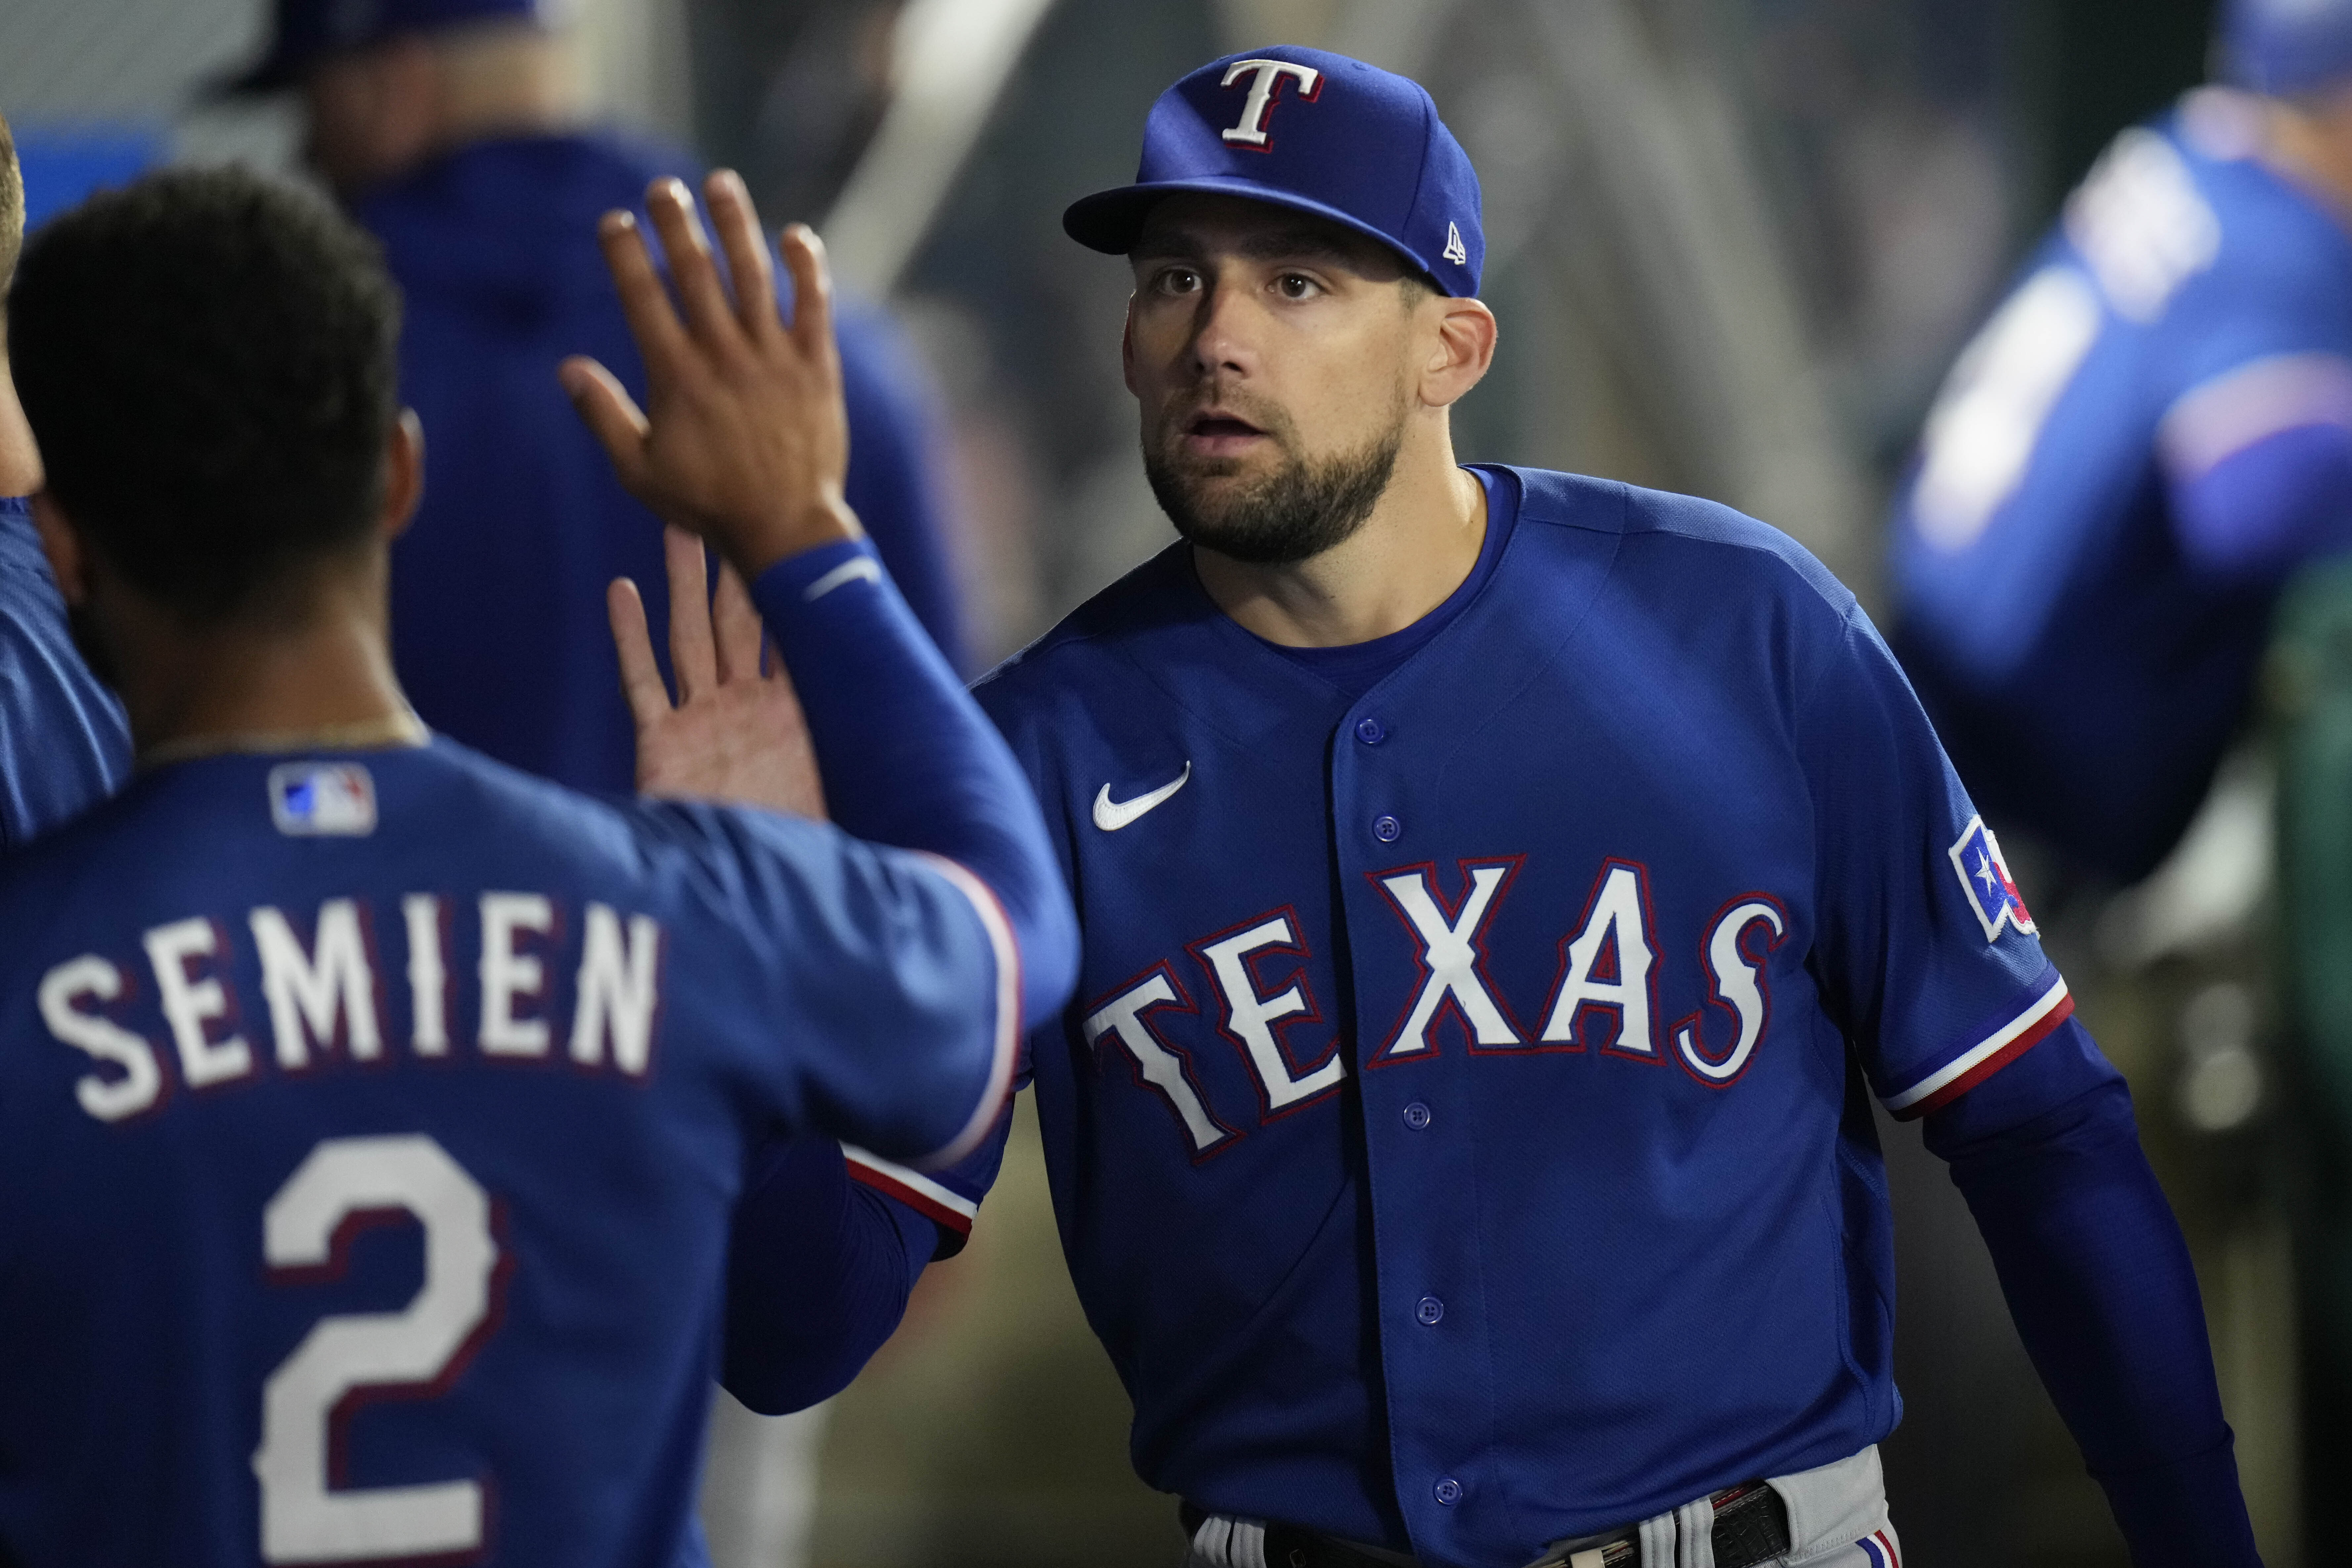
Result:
x=1751 y=1526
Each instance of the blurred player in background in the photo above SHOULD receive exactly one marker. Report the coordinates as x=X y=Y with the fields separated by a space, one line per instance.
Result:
x=316 y=971
x=63 y=743
x=2151 y=433
x=453 y=129
x=1502 y=893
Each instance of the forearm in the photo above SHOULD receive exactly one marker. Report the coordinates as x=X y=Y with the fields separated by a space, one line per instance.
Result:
x=819 y=1270
x=907 y=757
x=2099 y=1280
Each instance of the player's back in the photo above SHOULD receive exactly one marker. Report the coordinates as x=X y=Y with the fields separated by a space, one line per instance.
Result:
x=369 y=1128
x=2083 y=644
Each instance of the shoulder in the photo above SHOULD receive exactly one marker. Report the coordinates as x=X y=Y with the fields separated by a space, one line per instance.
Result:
x=1105 y=640
x=1701 y=545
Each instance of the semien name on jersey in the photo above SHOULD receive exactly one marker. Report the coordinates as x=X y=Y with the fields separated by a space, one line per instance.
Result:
x=324 y=995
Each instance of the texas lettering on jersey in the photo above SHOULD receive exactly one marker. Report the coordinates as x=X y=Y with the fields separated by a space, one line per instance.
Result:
x=1603 y=999
x=322 y=986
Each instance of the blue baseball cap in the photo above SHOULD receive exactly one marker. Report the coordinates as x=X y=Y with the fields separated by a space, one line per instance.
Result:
x=2284 y=46
x=310 y=30
x=1316 y=132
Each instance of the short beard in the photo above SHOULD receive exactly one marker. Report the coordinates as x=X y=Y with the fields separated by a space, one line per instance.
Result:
x=1301 y=510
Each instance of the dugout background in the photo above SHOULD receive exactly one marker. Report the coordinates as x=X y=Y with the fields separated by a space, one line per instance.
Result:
x=1734 y=245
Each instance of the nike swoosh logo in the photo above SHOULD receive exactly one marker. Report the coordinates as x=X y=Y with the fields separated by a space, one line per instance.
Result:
x=1111 y=816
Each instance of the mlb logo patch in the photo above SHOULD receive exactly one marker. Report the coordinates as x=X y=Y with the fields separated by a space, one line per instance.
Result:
x=1993 y=893
x=323 y=800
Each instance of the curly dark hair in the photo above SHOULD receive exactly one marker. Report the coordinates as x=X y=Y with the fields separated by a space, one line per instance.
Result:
x=207 y=358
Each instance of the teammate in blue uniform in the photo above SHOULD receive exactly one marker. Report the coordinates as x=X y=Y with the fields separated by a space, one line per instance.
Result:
x=2146 y=439
x=371 y=1113
x=452 y=130
x=1502 y=893
x=63 y=743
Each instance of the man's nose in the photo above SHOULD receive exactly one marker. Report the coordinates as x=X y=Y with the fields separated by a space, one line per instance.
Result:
x=1224 y=331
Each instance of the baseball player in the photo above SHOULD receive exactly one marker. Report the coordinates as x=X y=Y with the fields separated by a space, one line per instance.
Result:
x=372 y=1114
x=2149 y=436
x=63 y=743
x=454 y=131
x=1502 y=893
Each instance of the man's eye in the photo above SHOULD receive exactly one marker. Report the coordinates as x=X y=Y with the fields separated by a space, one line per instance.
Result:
x=1178 y=281
x=1294 y=284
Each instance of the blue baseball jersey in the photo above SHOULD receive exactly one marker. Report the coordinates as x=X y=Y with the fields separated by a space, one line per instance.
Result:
x=2147 y=436
x=1460 y=1141
x=498 y=626
x=370 y=1127
x=64 y=744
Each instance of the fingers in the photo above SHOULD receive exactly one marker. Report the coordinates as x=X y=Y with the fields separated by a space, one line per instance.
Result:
x=812 y=292
x=691 y=271
x=738 y=222
x=692 y=659
x=737 y=623
x=611 y=414
x=641 y=680
x=644 y=301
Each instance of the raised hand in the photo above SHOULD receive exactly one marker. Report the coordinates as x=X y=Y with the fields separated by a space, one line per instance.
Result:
x=735 y=733
x=743 y=438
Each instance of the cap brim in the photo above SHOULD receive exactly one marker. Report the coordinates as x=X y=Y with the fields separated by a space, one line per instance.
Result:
x=1112 y=221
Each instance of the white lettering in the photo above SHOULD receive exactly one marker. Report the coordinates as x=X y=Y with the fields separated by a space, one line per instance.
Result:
x=1156 y=1066
x=1618 y=917
x=1449 y=951
x=617 y=991
x=428 y=975
x=509 y=976
x=141 y=1083
x=193 y=1006
x=1738 y=986
x=308 y=995
x=1250 y=1019
x=1259 y=105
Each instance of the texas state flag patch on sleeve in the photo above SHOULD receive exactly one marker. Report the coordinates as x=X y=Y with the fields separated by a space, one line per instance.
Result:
x=1984 y=874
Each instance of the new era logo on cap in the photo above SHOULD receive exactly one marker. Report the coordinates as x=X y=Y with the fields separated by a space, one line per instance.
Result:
x=316 y=800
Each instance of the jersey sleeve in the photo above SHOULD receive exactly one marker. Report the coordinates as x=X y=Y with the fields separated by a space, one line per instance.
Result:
x=2258 y=462
x=949 y=1197
x=871 y=993
x=1924 y=951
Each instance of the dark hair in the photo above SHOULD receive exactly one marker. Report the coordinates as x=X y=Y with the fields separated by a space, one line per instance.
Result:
x=12 y=202
x=207 y=361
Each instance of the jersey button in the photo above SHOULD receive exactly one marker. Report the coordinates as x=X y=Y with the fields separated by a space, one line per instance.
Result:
x=1387 y=829
x=1417 y=1115
x=1370 y=733
x=1430 y=1311
x=1449 y=1490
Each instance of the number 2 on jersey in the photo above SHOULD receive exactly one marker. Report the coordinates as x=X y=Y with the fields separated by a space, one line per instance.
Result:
x=303 y=1518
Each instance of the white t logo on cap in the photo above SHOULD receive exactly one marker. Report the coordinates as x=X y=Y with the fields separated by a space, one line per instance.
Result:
x=1251 y=132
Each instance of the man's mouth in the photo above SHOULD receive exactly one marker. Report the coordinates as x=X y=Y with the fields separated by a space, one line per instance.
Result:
x=1214 y=432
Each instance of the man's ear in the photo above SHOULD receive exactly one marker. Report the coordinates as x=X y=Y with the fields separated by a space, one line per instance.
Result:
x=404 y=474
x=68 y=561
x=1127 y=347
x=1463 y=351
